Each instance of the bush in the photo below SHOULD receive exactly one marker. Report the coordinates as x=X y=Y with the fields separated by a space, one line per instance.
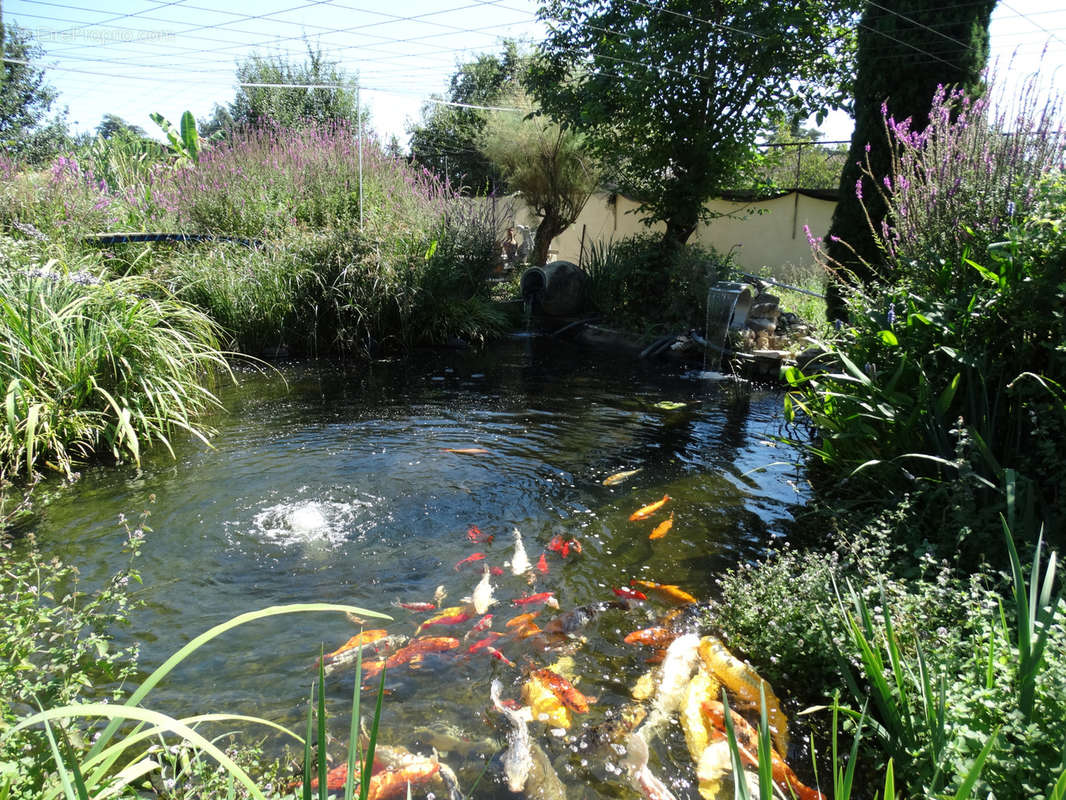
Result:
x=624 y=275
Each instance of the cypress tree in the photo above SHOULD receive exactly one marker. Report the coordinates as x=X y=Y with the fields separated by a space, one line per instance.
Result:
x=906 y=48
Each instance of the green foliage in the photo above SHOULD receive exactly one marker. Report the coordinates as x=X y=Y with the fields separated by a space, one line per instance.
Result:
x=952 y=375
x=256 y=106
x=90 y=366
x=624 y=274
x=674 y=102
x=26 y=133
x=446 y=140
x=792 y=158
x=936 y=654
x=56 y=647
x=184 y=141
x=549 y=165
x=96 y=768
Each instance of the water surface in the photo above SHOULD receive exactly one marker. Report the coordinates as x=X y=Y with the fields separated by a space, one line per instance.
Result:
x=334 y=485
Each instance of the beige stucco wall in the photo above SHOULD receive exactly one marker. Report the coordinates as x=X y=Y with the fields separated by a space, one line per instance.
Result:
x=768 y=233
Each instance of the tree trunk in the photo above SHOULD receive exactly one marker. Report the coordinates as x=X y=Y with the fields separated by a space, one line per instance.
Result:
x=906 y=48
x=550 y=227
x=678 y=230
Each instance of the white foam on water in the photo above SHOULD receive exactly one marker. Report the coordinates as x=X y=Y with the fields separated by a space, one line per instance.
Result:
x=302 y=522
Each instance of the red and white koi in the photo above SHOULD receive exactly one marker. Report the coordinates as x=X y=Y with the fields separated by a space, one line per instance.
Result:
x=629 y=594
x=475 y=535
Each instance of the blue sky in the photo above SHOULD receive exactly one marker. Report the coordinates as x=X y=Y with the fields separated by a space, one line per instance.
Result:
x=133 y=57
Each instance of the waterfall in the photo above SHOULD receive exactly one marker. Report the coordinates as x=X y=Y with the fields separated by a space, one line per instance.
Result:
x=727 y=307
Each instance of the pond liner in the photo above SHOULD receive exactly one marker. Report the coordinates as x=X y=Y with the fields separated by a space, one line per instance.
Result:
x=104 y=239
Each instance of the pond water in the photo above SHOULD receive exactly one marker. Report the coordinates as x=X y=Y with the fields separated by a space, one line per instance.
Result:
x=335 y=485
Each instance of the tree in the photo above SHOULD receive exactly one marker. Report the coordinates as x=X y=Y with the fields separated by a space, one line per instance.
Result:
x=674 y=96
x=275 y=103
x=446 y=140
x=26 y=100
x=906 y=48
x=546 y=163
x=793 y=158
x=112 y=125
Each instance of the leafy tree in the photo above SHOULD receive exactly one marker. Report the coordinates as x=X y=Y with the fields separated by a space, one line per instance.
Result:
x=548 y=164
x=906 y=48
x=793 y=158
x=218 y=124
x=675 y=95
x=291 y=107
x=446 y=140
x=26 y=100
x=112 y=125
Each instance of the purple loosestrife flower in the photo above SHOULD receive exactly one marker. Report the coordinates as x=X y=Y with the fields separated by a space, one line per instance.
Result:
x=858 y=188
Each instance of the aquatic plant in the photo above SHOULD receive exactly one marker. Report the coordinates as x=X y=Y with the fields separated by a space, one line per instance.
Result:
x=89 y=365
x=87 y=771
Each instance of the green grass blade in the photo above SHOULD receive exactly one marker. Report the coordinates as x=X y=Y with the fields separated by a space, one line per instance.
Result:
x=323 y=791
x=368 y=757
x=61 y=769
x=306 y=791
x=766 y=769
x=890 y=782
x=252 y=616
x=966 y=787
x=740 y=783
x=353 y=730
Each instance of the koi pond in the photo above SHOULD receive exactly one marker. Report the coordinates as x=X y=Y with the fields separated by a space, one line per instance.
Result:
x=385 y=484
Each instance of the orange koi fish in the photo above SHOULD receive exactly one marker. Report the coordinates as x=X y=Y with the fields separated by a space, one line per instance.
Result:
x=466 y=451
x=568 y=695
x=666 y=592
x=475 y=535
x=521 y=619
x=651 y=637
x=419 y=647
x=456 y=615
x=662 y=528
x=527 y=630
x=618 y=477
x=748 y=744
x=366 y=637
x=469 y=560
x=629 y=594
x=542 y=565
x=548 y=598
x=646 y=511
x=392 y=783
x=415 y=606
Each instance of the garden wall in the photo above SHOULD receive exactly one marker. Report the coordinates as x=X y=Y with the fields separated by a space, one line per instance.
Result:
x=768 y=232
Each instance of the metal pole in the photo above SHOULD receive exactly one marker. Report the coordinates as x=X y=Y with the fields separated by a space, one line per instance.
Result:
x=359 y=120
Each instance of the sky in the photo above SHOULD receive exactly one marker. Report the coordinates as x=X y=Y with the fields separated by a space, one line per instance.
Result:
x=134 y=57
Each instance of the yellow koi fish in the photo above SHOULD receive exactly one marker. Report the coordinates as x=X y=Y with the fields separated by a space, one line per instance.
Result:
x=618 y=477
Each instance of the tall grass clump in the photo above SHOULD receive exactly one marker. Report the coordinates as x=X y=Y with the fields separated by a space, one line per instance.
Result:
x=406 y=265
x=91 y=366
x=953 y=371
